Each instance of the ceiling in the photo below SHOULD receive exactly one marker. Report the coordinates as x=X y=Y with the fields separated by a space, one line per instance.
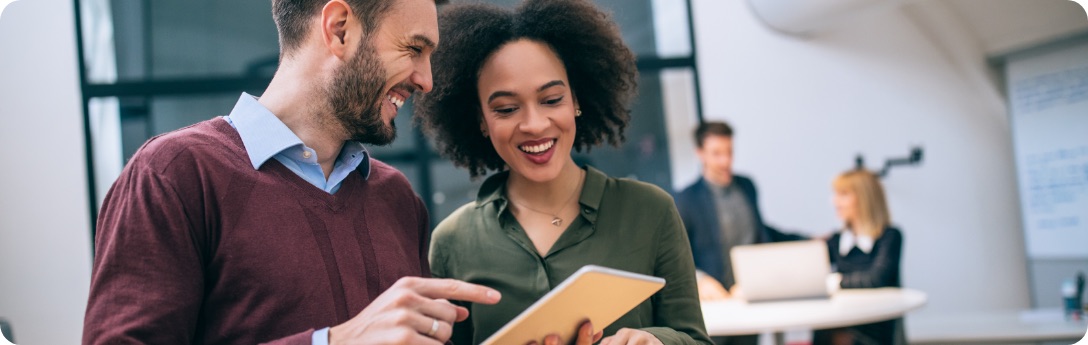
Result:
x=1008 y=25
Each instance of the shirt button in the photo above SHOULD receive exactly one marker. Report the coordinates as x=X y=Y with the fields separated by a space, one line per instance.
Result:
x=305 y=154
x=587 y=211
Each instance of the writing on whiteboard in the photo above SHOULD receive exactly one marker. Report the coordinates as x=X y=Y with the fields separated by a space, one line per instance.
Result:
x=1050 y=90
x=1057 y=183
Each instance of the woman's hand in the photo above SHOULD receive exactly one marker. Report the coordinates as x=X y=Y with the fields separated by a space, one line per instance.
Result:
x=585 y=336
x=628 y=336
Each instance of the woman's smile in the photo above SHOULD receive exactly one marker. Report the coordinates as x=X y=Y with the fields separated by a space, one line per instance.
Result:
x=538 y=151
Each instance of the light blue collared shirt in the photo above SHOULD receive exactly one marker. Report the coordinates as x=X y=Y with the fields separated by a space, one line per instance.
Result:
x=265 y=136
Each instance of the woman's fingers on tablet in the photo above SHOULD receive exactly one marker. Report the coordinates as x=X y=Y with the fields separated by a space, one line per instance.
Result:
x=585 y=334
x=551 y=340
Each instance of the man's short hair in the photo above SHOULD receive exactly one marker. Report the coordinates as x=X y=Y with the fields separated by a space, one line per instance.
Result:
x=293 y=18
x=706 y=129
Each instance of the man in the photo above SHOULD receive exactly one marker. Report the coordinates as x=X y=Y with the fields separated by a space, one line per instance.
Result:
x=721 y=211
x=273 y=224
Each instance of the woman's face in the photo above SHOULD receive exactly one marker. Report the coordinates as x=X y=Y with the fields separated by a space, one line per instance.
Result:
x=846 y=205
x=528 y=109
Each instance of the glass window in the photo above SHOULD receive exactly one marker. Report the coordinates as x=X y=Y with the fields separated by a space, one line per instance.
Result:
x=644 y=155
x=158 y=40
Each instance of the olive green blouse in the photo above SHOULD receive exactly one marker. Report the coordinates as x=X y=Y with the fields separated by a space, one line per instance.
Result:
x=624 y=224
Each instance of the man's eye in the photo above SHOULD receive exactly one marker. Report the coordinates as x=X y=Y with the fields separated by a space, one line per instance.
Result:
x=416 y=49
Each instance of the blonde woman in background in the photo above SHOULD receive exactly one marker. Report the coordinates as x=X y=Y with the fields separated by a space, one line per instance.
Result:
x=866 y=251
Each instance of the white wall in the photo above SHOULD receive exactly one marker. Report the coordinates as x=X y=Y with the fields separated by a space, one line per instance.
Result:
x=804 y=107
x=45 y=259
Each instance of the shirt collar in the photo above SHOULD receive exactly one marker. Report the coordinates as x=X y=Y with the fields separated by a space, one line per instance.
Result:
x=494 y=190
x=715 y=186
x=848 y=240
x=592 y=193
x=354 y=154
x=262 y=133
x=264 y=136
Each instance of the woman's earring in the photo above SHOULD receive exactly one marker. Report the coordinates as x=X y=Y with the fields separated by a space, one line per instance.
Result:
x=577 y=112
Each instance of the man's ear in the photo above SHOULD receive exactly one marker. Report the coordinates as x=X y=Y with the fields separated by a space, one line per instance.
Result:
x=336 y=20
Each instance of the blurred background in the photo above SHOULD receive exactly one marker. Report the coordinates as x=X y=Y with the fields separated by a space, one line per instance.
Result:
x=808 y=86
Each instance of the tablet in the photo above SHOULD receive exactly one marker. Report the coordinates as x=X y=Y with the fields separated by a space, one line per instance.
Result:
x=594 y=293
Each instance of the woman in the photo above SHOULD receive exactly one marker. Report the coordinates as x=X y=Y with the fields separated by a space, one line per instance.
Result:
x=866 y=252
x=516 y=92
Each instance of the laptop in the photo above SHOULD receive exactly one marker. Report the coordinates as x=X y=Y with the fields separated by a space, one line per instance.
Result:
x=782 y=271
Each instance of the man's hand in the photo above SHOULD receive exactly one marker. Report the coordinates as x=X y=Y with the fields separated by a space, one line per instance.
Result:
x=628 y=336
x=710 y=289
x=413 y=311
x=736 y=292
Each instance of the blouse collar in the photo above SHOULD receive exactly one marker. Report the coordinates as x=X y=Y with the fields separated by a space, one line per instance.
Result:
x=848 y=240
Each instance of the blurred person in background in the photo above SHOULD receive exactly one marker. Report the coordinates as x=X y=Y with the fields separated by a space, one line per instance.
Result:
x=721 y=211
x=866 y=252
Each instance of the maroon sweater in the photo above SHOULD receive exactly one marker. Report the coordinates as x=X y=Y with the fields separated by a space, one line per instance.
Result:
x=194 y=246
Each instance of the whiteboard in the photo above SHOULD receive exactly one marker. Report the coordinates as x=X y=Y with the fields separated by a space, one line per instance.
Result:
x=1048 y=106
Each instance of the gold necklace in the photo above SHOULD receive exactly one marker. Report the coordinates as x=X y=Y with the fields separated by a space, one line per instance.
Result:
x=556 y=221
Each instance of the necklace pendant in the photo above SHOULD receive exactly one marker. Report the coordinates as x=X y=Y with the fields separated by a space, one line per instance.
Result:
x=556 y=221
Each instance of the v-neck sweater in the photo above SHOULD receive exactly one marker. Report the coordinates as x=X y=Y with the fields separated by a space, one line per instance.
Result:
x=195 y=246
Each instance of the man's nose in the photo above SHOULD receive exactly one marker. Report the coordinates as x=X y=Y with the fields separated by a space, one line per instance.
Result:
x=422 y=76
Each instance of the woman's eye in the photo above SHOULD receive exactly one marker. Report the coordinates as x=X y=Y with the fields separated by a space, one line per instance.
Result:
x=506 y=110
x=553 y=101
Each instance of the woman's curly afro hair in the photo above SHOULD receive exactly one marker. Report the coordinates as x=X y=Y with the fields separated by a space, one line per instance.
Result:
x=600 y=68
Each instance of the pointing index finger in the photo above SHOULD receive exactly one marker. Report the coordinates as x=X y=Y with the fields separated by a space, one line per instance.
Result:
x=452 y=289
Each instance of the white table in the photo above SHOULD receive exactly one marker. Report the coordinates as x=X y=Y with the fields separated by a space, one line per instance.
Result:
x=992 y=327
x=846 y=307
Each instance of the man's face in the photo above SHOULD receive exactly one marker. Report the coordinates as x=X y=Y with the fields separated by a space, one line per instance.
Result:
x=388 y=67
x=717 y=157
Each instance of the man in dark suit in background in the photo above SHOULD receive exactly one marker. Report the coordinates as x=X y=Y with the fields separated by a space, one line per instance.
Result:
x=721 y=211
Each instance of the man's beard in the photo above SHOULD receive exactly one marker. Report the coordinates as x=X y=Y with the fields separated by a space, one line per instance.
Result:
x=355 y=96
